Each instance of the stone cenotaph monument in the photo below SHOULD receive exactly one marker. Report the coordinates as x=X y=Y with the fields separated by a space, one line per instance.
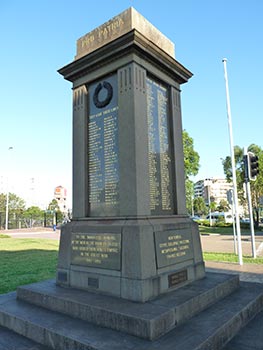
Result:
x=130 y=270
x=130 y=235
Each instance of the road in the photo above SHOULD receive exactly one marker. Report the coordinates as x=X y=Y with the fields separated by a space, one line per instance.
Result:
x=225 y=244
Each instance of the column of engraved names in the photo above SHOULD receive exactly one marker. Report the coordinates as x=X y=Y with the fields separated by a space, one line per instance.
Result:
x=164 y=149
x=95 y=158
x=153 y=180
x=111 y=157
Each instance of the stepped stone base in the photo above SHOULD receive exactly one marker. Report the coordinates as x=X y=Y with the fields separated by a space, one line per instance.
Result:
x=206 y=314
x=148 y=320
x=250 y=337
x=139 y=259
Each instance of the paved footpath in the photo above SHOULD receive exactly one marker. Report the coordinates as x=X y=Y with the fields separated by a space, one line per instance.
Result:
x=35 y=232
x=225 y=244
x=247 y=272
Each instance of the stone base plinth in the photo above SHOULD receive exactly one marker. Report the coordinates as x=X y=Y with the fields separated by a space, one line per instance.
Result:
x=134 y=259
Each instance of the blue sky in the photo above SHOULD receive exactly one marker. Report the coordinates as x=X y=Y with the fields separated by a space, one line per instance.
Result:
x=39 y=37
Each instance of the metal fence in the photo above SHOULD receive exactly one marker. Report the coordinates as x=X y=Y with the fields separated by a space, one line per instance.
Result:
x=18 y=221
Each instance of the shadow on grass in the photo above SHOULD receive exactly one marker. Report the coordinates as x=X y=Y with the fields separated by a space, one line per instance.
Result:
x=26 y=266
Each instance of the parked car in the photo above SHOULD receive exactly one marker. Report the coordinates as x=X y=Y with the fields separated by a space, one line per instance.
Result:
x=217 y=215
x=195 y=218
x=244 y=220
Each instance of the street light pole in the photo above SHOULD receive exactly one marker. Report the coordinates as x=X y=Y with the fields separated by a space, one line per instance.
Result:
x=7 y=200
x=239 y=246
x=6 y=207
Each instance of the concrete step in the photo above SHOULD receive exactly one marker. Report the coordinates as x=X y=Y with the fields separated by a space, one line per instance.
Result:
x=215 y=327
x=12 y=341
x=209 y=330
x=149 y=320
x=250 y=337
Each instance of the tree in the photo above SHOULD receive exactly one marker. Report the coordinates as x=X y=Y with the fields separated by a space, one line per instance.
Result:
x=200 y=206
x=213 y=205
x=255 y=186
x=191 y=166
x=15 y=203
x=240 y=174
x=223 y=206
x=53 y=205
x=54 y=208
x=189 y=193
x=31 y=215
x=191 y=157
x=16 y=206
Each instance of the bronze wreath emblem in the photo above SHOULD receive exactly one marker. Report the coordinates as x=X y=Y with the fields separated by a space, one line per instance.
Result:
x=100 y=104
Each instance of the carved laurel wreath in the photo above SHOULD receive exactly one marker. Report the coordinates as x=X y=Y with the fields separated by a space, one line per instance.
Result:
x=106 y=85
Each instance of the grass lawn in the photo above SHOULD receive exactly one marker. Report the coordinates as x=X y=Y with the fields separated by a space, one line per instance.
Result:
x=230 y=257
x=223 y=230
x=24 y=261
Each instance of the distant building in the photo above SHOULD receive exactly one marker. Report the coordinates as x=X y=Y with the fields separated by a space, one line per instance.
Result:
x=215 y=188
x=60 y=194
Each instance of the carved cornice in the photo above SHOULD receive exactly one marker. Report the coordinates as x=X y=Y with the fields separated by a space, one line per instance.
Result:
x=130 y=43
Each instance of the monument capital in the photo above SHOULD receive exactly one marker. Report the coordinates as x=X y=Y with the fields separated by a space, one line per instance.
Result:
x=125 y=22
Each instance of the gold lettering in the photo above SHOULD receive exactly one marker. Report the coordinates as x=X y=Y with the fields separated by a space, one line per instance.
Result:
x=95 y=248
x=109 y=29
x=170 y=238
x=176 y=246
x=87 y=40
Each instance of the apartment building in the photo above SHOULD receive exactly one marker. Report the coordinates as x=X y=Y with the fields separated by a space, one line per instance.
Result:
x=215 y=188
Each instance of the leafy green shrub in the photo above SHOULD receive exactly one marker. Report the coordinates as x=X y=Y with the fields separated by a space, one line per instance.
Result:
x=199 y=222
x=223 y=224
x=220 y=220
x=205 y=223
x=219 y=223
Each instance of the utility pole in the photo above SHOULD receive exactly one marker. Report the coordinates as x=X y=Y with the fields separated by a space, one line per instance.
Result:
x=239 y=246
x=7 y=199
x=249 y=176
x=230 y=197
x=209 y=202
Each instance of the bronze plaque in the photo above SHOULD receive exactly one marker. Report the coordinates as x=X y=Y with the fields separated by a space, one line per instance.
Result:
x=176 y=278
x=173 y=246
x=96 y=250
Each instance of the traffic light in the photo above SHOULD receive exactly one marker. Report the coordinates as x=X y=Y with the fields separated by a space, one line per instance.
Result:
x=252 y=166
